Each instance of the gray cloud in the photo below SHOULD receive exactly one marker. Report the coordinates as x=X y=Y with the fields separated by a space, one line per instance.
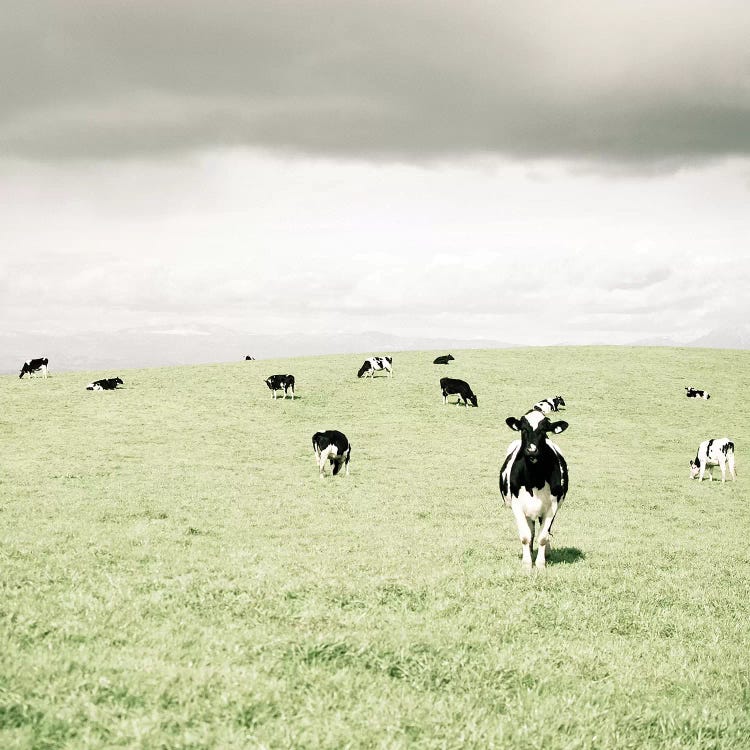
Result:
x=639 y=83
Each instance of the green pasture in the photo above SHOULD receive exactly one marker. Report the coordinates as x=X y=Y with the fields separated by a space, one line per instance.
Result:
x=175 y=575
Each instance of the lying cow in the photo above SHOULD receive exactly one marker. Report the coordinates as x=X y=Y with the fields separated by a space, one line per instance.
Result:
x=714 y=452
x=460 y=388
x=696 y=393
x=34 y=366
x=107 y=384
x=534 y=481
x=281 y=383
x=248 y=358
x=372 y=365
x=546 y=405
x=332 y=446
x=443 y=360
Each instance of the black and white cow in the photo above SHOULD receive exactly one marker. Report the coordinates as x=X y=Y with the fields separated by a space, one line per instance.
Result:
x=281 y=383
x=33 y=366
x=546 y=405
x=460 y=388
x=333 y=446
x=534 y=481
x=372 y=365
x=248 y=358
x=106 y=384
x=443 y=360
x=696 y=393
x=714 y=452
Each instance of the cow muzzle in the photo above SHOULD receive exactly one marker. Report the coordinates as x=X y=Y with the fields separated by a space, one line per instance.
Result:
x=532 y=452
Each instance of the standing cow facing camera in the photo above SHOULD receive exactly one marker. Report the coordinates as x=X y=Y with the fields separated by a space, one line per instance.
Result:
x=333 y=446
x=534 y=481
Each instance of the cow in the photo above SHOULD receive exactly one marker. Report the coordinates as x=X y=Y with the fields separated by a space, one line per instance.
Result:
x=248 y=358
x=546 y=405
x=460 y=388
x=34 y=365
x=107 y=384
x=281 y=383
x=714 y=452
x=333 y=446
x=372 y=365
x=695 y=393
x=443 y=360
x=534 y=481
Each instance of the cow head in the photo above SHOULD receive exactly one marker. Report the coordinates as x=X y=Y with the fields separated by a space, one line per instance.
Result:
x=119 y=381
x=534 y=427
x=695 y=469
x=473 y=400
x=558 y=401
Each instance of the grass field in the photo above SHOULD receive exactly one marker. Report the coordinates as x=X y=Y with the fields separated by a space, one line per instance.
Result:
x=175 y=575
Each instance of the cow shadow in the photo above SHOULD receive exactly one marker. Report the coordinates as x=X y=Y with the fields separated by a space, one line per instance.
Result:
x=565 y=556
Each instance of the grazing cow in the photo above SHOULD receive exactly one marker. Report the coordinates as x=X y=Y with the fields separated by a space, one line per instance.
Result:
x=695 y=393
x=373 y=364
x=107 y=384
x=248 y=358
x=281 y=383
x=460 y=388
x=534 y=481
x=332 y=446
x=443 y=360
x=714 y=452
x=546 y=405
x=34 y=365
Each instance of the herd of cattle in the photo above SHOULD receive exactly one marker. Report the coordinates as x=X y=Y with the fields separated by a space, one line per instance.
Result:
x=534 y=475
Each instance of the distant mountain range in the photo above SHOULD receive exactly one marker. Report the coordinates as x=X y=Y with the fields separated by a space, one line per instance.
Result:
x=106 y=352
x=166 y=348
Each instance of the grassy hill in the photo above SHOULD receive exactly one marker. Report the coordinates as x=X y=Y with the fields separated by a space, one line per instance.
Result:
x=175 y=575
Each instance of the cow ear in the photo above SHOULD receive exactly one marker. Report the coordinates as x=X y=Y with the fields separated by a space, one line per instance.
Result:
x=513 y=423
x=558 y=427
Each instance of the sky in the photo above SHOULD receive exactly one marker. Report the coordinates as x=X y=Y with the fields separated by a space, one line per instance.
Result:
x=532 y=173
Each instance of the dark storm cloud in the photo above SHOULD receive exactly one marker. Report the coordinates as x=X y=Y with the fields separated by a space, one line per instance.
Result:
x=618 y=82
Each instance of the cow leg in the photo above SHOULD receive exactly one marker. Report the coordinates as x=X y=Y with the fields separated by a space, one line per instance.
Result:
x=730 y=458
x=525 y=533
x=323 y=457
x=723 y=467
x=543 y=543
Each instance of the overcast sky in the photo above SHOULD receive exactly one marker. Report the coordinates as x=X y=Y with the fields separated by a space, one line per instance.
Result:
x=530 y=172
